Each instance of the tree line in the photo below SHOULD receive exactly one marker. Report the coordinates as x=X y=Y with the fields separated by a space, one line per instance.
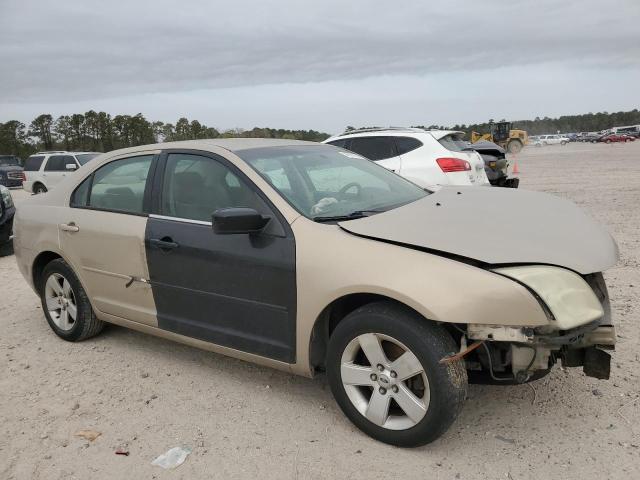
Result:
x=101 y=132
x=589 y=122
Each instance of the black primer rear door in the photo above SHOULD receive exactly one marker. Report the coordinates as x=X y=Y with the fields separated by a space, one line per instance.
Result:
x=238 y=291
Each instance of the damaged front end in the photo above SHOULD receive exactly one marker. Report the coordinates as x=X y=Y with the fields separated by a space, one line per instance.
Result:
x=498 y=353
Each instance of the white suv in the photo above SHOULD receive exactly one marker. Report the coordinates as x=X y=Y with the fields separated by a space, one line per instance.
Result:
x=426 y=157
x=44 y=170
x=541 y=140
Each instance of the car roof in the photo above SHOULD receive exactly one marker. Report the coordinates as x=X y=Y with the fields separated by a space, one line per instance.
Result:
x=61 y=152
x=395 y=131
x=232 y=144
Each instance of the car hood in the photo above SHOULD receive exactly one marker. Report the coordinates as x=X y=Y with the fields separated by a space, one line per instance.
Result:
x=10 y=168
x=496 y=226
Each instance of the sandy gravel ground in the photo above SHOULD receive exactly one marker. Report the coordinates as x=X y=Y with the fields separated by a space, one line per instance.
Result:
x=147 y=395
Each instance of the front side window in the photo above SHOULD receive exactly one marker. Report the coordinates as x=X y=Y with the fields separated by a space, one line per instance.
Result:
x=195 y=186
x=374 y=148
x=118 y=186
x=323 y=182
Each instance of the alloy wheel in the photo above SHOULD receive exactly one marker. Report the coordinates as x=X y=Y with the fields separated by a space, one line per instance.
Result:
x=60 y=301
x=385 y=381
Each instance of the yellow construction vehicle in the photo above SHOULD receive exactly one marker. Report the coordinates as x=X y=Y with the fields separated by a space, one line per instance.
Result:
x=502 y=134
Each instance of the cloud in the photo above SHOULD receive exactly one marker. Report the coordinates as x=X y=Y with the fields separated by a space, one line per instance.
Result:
x=58 y=52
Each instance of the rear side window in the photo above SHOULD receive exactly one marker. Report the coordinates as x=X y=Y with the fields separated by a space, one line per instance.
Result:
x=58 y=163
x=33 y=163
x=118 y=186
x=339 y=143
x=374 y=148
x=407 y=144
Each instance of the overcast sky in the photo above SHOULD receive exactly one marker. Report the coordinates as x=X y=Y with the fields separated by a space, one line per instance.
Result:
x=323 y=64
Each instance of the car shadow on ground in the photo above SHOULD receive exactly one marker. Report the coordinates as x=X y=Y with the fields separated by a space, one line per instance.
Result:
x=484 y=410
x=6 y=249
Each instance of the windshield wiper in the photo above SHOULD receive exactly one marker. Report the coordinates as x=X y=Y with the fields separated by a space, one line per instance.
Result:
x=351 y=216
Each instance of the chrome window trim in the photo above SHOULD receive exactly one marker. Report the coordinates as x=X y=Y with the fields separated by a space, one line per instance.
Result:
x=178 y=219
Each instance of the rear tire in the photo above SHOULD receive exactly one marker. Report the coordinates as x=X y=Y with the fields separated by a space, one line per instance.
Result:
x=38 y=188
x=409 y=407
x=65 y=303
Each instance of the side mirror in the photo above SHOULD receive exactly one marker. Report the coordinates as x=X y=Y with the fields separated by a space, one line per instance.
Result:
x=238 y=220
x=71 y=166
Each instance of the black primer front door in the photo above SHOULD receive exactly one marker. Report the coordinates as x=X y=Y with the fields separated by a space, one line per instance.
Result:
x=238 y=290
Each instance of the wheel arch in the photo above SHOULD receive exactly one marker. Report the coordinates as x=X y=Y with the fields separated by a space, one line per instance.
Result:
x=39 y=263
x=38 y=182
x=333 y=314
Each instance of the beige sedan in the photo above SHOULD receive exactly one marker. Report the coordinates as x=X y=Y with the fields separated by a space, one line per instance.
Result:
x=309 y=258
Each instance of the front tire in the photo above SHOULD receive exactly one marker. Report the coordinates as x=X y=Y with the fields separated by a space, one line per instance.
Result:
x=384 y=372
x=65 y=303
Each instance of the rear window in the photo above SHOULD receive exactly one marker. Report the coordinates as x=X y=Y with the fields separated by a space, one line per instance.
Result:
x=33 y=163
x=454 y=142
x=85 y=157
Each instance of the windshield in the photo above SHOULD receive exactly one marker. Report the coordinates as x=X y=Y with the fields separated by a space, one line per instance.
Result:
x=85 y=157
x=324 y=182
x=9 y=160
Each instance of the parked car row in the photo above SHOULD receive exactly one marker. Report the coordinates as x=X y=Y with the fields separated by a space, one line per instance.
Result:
x=41 y=171
x=429 y=158
x=45 y=170
x=590 y=137
x=312 y=258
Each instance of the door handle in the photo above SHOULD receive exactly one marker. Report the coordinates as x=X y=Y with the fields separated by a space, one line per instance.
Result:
x=69 y=227
x=164 y=243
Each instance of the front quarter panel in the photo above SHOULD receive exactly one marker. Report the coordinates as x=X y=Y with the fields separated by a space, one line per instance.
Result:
x=332 y=263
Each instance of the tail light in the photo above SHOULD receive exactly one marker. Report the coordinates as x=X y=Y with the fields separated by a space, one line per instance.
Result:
x=24 y=177
x=449 y=165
